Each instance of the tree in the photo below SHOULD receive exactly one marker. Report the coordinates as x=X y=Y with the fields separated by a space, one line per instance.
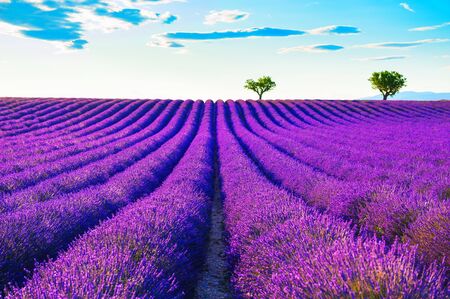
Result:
x=388 y=83
x=262 y=85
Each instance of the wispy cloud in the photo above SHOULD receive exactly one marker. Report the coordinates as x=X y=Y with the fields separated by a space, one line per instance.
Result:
x=225 y=16
x=406 y=6
x=257 y=32
x=64 y=23
x=429 y=28
x=401 y=45
x=335 y=29
x=313 y=48
x=164 y=43
x=382 y=58
x=232 y=34
x=265 y=32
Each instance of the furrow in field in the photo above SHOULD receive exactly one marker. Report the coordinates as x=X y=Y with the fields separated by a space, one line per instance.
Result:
x=33 y=107
x=30 y=111
x=350 y=164
x=63 y=117
x=53 y=119
x=304 y=111
x=328 y=142
x=31 y=144
x=99 y=171
x=17 y=121
x=108 y=125
x=75 y=126
x=151 y=248
x=418 y=111
x=131 y=125
x=214 y=278
x=295 y=117
x=282 y=249
x=357 y=200
x=69 y=122
x=8 y=105
x=44 y=229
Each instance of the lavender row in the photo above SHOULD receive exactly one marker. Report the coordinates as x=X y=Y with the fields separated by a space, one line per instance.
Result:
x=7 y=105
x=26 y=110
x=75 y=174
x=282 y=249
x=378 y=209
x=292 y=129
x=128 y=126
x=55 y=125
x=377 y=165
x=19 y=121
x=131 y=106
x=33 y=113
x=59 y=117
x=80 y=136
x=86 y=151
x=355 y=132
x=45 y=228
x=151 y=249
x=65 y=123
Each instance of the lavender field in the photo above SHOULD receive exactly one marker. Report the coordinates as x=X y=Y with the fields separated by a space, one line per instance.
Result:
x=227 y=199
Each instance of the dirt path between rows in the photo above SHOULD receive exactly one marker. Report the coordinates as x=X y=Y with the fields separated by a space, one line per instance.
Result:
x=214 y=279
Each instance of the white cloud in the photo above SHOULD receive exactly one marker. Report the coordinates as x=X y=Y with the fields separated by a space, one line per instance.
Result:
x=38 y=3
x=91 y=21
x=123 y=4
x=90 y=16
x=157 y=17
x=334 y=29
x=312 y=49
x=382 y=58
x=429 y=28
x=12 y=30
x=406 y=6
x=63 y=47
x=402 y=45
x=225 y=16
x=160 y=42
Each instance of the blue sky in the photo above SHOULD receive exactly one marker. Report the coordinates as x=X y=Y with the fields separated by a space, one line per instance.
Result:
x=207 y=49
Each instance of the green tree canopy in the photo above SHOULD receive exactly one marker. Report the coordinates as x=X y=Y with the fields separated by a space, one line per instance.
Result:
x=262 y=85
x=388 y=83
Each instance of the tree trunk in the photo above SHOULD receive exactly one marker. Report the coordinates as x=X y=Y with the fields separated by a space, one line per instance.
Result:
x=260 y=96
x=385 y=97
